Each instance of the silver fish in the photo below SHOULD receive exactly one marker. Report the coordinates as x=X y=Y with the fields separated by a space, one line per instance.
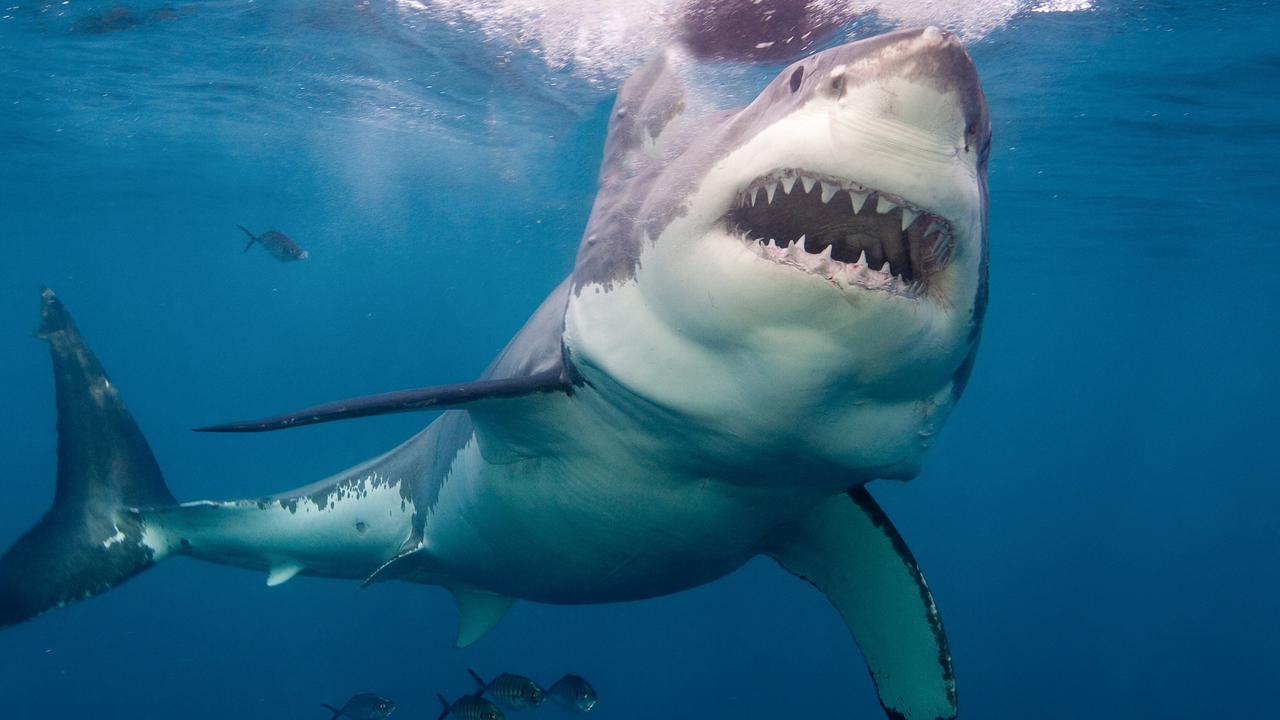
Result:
x=514 y=692
x=574 y=692
x=469 y=707
x=277 y=243
x=365 y=706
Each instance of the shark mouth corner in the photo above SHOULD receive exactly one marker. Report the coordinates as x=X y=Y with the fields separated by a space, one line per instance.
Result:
x=849 y=234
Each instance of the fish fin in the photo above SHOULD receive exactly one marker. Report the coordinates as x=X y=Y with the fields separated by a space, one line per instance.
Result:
x=479 y=681
x=336 y=712
x=444 y=713
x=252 y=238
x=91 y=539
x=848 y=549
x=435 y=397
x=281 y=574
x=478 y=612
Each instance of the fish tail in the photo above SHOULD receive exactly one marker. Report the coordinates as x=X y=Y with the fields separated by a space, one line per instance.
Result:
x=479 y=681
x=443 y=713
x=336 y=712
x=252 y=238
x=94 y=537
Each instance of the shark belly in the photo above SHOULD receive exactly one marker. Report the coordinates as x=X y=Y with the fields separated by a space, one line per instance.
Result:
x=597 y=526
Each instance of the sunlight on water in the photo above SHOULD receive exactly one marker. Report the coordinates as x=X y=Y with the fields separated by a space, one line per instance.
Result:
x=603 y=40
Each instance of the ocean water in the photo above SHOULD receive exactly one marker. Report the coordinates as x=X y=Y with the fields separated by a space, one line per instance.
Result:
x=1096 y=521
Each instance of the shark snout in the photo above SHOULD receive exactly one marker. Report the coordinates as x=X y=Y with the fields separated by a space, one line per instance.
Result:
x=921 y=77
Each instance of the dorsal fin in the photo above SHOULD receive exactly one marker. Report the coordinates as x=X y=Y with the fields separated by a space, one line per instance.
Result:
x=647 y=102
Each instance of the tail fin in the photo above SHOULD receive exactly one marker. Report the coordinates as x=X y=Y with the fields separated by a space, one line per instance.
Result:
x=444 y=713
x=479 y=681
x=252 y=238
x=336 y=712
x=90 y=540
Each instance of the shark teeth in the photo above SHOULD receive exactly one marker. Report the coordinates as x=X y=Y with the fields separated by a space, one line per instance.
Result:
x=858 y=198
x=845 y=275
x=871 y=239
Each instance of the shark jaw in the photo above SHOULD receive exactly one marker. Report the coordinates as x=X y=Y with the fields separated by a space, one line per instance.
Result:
x=843 y=231
x=819 y=288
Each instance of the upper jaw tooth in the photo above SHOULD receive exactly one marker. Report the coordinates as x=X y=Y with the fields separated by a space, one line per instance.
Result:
x=908 y=216
x=806 y=182
x=788 y=183
x=769 y=190
x=859 y=199
x=828 y=192
x=884 y=205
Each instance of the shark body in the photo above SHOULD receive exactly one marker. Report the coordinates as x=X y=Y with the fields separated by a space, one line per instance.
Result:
x=770 y=307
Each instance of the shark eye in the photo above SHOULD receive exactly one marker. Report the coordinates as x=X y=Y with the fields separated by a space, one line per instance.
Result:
x=796 y=78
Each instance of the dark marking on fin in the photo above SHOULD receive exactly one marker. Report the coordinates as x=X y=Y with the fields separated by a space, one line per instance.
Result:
x=435 y=397
x=848 y=549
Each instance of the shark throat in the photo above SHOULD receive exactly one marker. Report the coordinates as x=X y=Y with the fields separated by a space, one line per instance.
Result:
x=839 y=229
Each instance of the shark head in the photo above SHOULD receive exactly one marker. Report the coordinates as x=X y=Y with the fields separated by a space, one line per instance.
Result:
x=809 y=271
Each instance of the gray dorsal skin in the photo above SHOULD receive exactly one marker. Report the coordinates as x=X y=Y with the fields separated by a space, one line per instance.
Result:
x=771 y=307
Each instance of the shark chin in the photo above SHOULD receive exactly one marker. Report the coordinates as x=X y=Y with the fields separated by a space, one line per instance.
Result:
x=771 y=307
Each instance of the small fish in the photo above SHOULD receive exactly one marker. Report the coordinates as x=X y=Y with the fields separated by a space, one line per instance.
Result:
x=276 y=243
x=514 y=692
x=574 y=692
x=470 y=707
x=365 y=706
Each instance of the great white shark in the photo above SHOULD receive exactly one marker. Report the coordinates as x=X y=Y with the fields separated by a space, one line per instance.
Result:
x=770 y=307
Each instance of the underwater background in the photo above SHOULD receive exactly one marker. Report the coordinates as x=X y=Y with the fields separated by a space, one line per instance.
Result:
x=1097 y=522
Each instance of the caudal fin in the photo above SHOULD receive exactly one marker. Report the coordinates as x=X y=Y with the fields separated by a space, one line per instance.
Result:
x=336 y=712
x=90 y=540
x=252 y=238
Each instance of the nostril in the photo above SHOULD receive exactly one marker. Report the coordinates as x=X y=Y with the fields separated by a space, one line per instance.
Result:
x=797 y=77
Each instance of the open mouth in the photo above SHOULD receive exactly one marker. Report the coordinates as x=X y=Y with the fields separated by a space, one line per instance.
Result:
x=842 y=230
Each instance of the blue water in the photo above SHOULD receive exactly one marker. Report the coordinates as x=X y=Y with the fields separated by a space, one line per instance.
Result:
x=1096 y=522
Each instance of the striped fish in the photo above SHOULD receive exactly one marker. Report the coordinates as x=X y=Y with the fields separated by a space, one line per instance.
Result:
x=469 y=707
x=514 y=692
x=574 y=693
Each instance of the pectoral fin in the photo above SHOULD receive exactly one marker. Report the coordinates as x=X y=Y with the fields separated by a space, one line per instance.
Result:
x=478 y=612
x=850 y=551
x=436 y=397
